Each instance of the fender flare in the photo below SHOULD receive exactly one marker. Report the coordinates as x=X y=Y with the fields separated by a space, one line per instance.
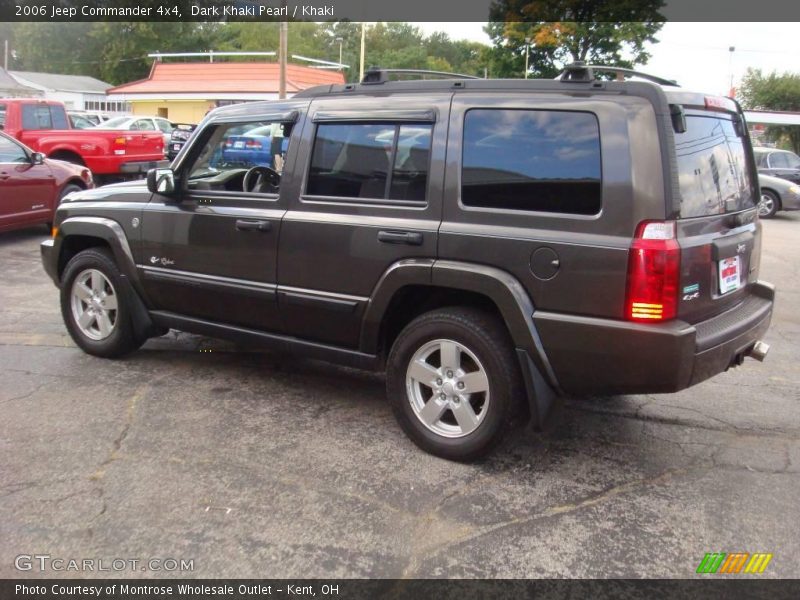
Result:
x=112 y=233
x=502 y=288
x=107 y=230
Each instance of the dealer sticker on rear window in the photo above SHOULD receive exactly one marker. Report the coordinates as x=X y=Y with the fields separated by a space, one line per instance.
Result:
x=729 y=274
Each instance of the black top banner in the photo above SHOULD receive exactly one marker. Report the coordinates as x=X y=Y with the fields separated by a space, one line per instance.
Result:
x=396 y=10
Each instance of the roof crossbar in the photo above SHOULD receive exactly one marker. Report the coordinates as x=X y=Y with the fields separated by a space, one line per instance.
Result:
x=580 y=72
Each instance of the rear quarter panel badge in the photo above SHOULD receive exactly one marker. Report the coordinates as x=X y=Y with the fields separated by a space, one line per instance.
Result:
x=691 y=292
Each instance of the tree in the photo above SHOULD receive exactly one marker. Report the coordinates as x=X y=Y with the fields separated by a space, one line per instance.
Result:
x=774 y=92
x=612 y=33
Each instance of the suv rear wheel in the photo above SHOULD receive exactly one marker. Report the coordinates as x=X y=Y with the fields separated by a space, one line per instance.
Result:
x=94 y=306
x=453 y=382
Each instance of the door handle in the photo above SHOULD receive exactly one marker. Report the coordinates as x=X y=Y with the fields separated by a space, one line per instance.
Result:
x=4 y=175
x=410 y=238
x=243 y=225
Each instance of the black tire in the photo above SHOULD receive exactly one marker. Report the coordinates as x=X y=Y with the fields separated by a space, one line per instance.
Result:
x=121 y=339
x=484 y=336
x=68 y=189
x=770 y=204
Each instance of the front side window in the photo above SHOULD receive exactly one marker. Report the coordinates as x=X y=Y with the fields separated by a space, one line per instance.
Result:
x=143 y=125
x=531 y=160
x=371 y=161
x=242 y=157
x=11 y=152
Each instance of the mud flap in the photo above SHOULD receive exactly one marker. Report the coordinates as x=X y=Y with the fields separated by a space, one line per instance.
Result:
x=541 y=397
x=142 y=323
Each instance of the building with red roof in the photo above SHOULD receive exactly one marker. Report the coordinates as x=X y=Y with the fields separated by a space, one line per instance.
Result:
x=185 y=92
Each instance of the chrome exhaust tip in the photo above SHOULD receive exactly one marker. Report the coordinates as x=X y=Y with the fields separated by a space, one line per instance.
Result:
x=759 y=351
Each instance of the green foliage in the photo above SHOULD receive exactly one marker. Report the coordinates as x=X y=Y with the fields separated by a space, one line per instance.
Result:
x=116 y=52
x=611 y=33
x=775 y=91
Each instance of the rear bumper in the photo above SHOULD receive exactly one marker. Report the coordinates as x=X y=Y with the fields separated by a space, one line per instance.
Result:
x=600 y=356
x=142 y=166
x=113 y=165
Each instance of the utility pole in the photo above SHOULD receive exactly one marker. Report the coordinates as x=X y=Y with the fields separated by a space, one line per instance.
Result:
x=5 y=55
x=283 y=52
x=527 y=54
x=341 y=41
x=363 y=43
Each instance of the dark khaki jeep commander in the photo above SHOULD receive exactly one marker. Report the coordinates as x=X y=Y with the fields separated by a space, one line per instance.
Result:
x=491 y=244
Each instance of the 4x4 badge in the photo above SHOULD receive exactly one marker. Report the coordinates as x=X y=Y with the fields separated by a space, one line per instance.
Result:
x=164 y=261
x=691 y=292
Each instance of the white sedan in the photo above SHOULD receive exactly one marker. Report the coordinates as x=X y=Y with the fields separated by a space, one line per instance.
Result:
x=138 y=123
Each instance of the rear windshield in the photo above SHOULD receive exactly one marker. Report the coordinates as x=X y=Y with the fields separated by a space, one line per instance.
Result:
x=712 y=168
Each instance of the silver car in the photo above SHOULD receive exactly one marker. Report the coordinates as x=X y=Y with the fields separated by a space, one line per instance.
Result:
x=777 y=194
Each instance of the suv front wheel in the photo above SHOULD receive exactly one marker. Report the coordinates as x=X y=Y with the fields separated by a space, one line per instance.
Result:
x=94 y=307
x=453 y=382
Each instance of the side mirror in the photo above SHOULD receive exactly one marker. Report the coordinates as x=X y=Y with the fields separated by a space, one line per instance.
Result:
x=161 y=181
x=37 y=158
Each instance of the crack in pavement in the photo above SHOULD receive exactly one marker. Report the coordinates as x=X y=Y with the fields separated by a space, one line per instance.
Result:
x=470 y=534
x=23 y=396
x=99 y=474
x=761 y=432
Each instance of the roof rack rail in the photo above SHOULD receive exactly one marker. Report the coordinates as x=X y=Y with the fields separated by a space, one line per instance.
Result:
x=375 y=75
x=580 y=72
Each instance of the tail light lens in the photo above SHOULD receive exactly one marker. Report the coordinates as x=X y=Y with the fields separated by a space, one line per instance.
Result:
x=654 y=265
x=120 y=144
x=253 y=145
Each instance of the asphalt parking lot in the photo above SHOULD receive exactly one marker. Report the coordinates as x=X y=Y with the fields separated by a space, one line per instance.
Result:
x=260 y=465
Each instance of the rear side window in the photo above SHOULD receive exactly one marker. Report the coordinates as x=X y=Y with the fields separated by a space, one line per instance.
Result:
x=43 y=116
x=371 y=161
x=712 y=168
x=532 y=160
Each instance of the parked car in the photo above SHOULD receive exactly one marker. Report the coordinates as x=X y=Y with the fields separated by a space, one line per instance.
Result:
x=255 y=146
x=43 y=125
x=180 y=135
x=777 y=194
x=778 y=163
x=139 y=123
x=80 y=121
x=517 y=240
x=32 y=186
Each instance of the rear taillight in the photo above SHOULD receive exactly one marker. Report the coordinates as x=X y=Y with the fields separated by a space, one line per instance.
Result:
x=654 y=265
x=120 y=144
x=253 y=145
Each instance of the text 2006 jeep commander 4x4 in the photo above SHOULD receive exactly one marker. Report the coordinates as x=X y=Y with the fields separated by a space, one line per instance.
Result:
x=484 y=241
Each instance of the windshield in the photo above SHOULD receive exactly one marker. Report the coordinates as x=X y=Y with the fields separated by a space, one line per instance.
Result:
x=712 y=168
x=116 y=122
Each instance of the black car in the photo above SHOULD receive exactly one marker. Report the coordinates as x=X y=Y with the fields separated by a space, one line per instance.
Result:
x=180 y=135
x=778 y=163
x=490 y=244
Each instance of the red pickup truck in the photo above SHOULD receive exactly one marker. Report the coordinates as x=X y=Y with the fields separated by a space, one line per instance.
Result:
x=43 y=125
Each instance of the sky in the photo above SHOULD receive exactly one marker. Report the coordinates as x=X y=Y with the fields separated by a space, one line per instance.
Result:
x=696 y=55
